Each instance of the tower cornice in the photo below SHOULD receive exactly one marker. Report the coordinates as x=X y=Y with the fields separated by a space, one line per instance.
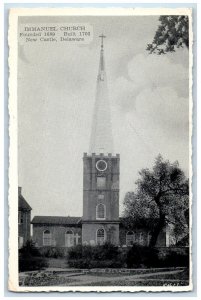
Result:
x=101 y=155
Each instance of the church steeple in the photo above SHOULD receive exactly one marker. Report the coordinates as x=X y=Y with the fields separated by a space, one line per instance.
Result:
x=101 y=134
x=102 y=63
x=101 y=168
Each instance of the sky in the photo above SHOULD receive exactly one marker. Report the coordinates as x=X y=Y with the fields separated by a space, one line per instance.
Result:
x=149 y=99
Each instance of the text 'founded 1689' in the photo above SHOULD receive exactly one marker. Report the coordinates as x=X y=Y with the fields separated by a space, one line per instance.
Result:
x=75 y=33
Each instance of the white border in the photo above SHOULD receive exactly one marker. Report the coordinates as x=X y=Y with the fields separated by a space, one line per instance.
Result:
x=13 y=176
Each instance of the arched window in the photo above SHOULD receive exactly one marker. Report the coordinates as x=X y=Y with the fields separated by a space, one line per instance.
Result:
x=100 y=236
x=100 y=211
x=47 y=238
x=130 y=238
x=69 y=238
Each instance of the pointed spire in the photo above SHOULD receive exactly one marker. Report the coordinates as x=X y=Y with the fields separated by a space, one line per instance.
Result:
x=101 y=134
x=102 y=63
x=102 y=37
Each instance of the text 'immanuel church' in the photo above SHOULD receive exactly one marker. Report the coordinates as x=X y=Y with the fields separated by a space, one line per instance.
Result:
x=100 y=222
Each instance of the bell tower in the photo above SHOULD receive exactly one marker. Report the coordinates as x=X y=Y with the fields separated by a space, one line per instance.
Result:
x=100 y=222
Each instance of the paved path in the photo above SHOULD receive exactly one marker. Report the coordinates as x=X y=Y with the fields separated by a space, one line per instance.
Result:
x=89 y=279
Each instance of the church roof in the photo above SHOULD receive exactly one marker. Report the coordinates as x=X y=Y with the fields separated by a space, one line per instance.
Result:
x=22 y=204
x=51 y=220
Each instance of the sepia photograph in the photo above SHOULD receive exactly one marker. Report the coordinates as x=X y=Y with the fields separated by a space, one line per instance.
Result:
x=100 y=157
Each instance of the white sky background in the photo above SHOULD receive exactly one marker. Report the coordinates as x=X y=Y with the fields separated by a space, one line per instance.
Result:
x=56 y=94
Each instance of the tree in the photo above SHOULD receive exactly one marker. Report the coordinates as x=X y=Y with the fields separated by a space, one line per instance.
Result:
x=139 y=211
x=161 y=196
x=172 y=33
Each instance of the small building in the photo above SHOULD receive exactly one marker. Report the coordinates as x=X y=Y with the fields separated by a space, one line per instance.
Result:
x=24 y=220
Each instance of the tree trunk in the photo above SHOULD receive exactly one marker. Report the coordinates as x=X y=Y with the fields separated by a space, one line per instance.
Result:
x=157 y=229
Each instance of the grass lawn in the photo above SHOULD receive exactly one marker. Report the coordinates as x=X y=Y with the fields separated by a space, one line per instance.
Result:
x=143 y=278
x=180 y=279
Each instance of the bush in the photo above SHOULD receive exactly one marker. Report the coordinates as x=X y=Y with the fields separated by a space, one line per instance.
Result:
x=89 y=264
x=52 y=252
x=102 y=252
x=29 y=249
x=174 y=259
x=29 y=258
x=30 y=263
x=142 y=256
x=103 y=256
x=76 y=252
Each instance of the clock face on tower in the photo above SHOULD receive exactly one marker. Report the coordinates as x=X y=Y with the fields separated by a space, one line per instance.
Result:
x=101 y=165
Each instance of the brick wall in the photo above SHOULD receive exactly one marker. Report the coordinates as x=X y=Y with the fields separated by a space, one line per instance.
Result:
x=57 y=232
x=141 y=237
x=111 y=233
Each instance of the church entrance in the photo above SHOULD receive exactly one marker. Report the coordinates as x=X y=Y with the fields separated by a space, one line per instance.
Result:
x=69 y=238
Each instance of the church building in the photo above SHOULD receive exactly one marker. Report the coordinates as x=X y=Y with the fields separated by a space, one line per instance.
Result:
x=100 y=222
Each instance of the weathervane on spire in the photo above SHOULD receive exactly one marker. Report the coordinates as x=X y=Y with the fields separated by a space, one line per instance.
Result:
x=102 y=37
